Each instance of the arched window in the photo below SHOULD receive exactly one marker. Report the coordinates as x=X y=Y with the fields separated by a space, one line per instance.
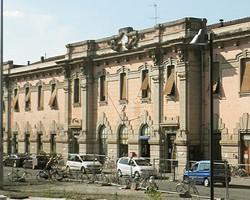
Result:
x=143 y=141
x=123 y=141
x=103 y=140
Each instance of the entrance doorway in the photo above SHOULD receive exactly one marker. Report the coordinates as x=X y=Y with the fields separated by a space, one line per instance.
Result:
x=39 y=143
x=15 y=143
x=143 y=141
x=217 y=146
x=168 y=148
x=52 y=143
x=123 y=141
x=27 y=143
x=73 y=141
x=245 y=152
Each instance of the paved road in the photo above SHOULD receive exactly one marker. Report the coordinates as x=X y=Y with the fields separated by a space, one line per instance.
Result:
x=239 y=188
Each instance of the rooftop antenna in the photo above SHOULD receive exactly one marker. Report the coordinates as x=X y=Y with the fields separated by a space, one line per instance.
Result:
x=155 y=16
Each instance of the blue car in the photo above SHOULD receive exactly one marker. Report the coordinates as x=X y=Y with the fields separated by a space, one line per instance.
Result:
x=200 y=173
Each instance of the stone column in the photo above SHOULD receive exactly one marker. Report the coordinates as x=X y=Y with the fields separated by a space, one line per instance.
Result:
x=67 y=104
x=84 y=104
x=155 y=138
x=6 y=118
x=157 y=102
x=182 y=134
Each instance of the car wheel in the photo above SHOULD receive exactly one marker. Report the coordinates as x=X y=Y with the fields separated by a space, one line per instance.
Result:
x=206 y=182
x=83 y=170
x=137 y=175
x=185 y=178
x=67 y=169
x=119 y=173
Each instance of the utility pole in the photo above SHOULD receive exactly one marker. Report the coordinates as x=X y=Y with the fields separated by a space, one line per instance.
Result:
x=1 y=97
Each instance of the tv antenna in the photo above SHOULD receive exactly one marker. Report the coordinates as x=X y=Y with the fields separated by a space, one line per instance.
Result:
x=156 y=14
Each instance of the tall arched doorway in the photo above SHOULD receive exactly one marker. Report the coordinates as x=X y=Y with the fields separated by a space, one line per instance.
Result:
x=143 y=141
x=103 y=150
x=123 y=141
x=73 y=140
x=39 y=142
x=15 y=143
x=27 y=143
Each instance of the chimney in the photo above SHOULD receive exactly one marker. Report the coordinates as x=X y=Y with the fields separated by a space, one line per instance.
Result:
x=42 y=58
x=221 y=22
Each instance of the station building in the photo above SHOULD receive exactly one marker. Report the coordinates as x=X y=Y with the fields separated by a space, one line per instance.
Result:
x=142 y=92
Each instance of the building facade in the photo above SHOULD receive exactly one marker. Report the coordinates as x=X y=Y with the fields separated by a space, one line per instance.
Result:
x=145 y=92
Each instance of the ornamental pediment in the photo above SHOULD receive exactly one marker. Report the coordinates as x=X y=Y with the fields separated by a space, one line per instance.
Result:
x=75 y=123
x=126 y=40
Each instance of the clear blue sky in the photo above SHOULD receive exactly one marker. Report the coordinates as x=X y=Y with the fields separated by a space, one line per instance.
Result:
x=35 y=27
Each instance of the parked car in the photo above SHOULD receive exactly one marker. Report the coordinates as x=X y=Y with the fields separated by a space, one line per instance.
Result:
x=85 y=163
x=200 y=172
x=14 y=160
x=134 y=167
x=40 y=161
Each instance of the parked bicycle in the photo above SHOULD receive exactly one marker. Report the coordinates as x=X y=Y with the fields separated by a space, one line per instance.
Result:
x=109 y=163
x=186 y=186
x=51 y=171
x=17 y=175
x=238 y=171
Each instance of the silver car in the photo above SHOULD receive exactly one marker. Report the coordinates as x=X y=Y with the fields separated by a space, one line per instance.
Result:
x=84 y=163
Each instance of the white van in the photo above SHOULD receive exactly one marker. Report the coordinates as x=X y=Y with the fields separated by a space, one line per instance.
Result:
x=134 y=167
x=85 y=163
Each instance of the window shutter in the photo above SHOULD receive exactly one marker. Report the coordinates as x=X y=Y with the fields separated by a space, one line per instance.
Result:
x=216 y=76
x=123 y=87
x=14 y=102
x=170 y=84
x=52 y=98
x=245 y=81
x=145 y=84
x=27 y=97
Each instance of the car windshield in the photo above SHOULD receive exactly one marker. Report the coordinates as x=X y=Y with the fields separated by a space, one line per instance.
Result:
x=142 y=162
x=88 y=158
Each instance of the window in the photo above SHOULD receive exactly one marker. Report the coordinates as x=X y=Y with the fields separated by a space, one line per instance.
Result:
x=123 y=141
x=123 y=86
x=76 y=91
x=53 y=143
x=143 y=140
x=216 y=78
x=170 y=84
x=15 y=142
x=39 y=98
x=245 y=76
x=39 y=143
x=103 y=88
x=27 y=99
x=145 y=84
x=53 y=99
x=103 y=141
x=27 y=142
x=15 y=103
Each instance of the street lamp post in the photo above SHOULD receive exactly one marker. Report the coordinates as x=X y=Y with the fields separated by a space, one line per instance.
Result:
x=203 y=39
x=1 y=97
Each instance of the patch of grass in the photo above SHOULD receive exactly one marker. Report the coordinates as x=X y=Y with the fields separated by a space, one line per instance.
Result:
x=153 y=194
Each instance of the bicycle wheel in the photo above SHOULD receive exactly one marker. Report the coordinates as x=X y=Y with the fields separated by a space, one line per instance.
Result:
x=195 y=190
x=180 y=188
x=41 y=175
x=12 y=176
x=27 y=176
x=144 y=183
x=242 y=172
